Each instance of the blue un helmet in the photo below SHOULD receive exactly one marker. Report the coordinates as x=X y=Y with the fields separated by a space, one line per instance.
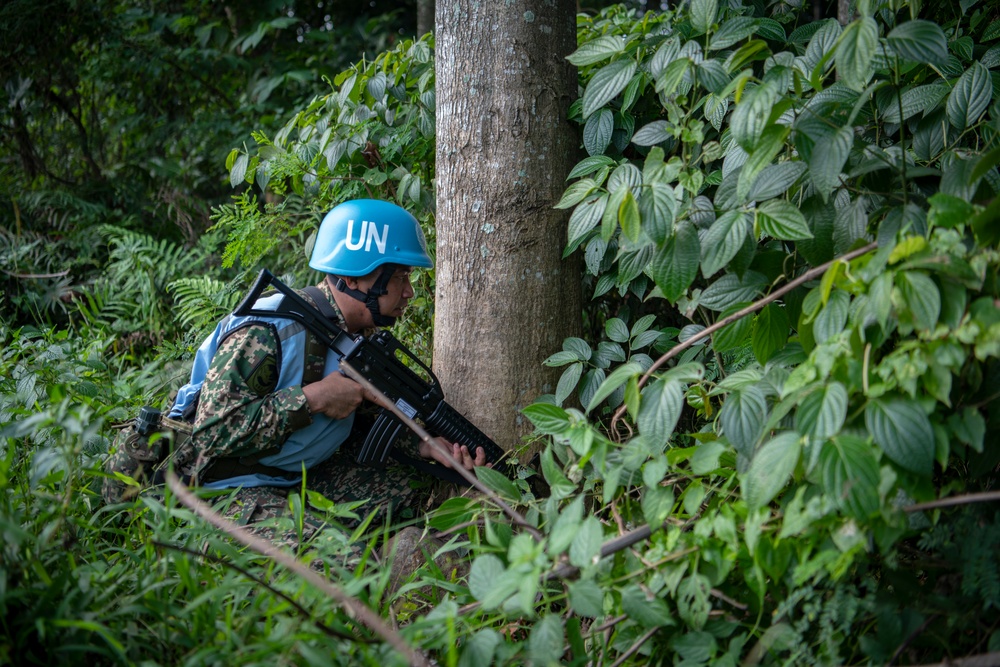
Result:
x=359 y=236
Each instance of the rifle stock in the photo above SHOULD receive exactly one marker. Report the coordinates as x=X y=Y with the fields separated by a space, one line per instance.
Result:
x=383 y=360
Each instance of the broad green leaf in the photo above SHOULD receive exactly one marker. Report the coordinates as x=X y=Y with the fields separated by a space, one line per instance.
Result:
x=498 y=482
x=855 y=54
x=652 y=134
x=606 y=84
x=904 y=433
x=733 y=30
x=547 y=418
x=609 y=221
x=628 y=217
x=731 y=289
x=703 y=14
x=585 y=217
x=238 y=172
x=487 y=580
x=770 y=143
x=922 y=297
x=970 y=96
x=657 y=207
x=850 y=475
x=672 y=77
x=712 y=76
x=545 y=643
x=821 y=413
x=617 y=378
x=586 y=598
x=675 y=264
x=742 y=418
x=568 y=381
x=692 y=600
x=915 y=100
x=597 y=132
x=479 y=649
x=649 y=612
x=722 y=241
x=775 y=179
x=770 y=332
x=920 y=42
x=589 y=165
x=750 y=117
x=660 y=408
x=770 y=469
x=657 y=501
x=828 y=159
x=576 y=192
x=833 y=318
x=627 y=174
x=734 y=334
x=781 y=220
x=596 y=50
x=586 y=545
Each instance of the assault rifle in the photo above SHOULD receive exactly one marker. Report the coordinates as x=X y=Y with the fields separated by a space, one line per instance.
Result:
x=380 y=359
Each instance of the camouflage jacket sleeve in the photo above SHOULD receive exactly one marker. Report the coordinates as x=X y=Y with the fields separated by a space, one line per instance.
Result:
x=239 y=412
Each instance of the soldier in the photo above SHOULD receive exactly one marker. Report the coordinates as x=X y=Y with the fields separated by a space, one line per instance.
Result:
x=266 y=401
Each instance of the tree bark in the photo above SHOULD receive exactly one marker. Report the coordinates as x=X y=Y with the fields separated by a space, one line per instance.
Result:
x=425 y=17
x=505 y=298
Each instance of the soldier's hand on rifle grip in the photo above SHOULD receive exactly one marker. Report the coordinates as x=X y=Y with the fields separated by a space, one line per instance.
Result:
x=336 y=396
x=459 y=452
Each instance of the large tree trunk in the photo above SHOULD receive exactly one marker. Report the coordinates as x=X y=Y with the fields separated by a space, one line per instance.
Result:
x=505 y=299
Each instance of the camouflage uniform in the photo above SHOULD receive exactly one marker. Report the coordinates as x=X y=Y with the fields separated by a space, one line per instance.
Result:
x=245 y=418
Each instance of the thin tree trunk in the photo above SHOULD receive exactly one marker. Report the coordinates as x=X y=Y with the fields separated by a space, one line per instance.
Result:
x=425 y=17
x=505 y=298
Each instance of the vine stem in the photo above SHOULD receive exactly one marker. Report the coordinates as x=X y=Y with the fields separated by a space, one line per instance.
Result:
x=740 y=314
x=355 y=607
x=966 y=499
x=426 y=437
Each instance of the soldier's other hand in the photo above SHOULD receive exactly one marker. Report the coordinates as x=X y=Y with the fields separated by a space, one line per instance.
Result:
x=336 y=396
x=459 y=452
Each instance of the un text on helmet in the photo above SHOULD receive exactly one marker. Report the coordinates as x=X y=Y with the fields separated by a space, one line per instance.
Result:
x=367 y=235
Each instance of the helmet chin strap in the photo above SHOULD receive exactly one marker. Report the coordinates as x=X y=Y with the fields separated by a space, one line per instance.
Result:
x=370 y=299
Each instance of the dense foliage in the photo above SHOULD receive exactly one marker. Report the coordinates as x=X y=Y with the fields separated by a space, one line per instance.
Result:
x=745 y=459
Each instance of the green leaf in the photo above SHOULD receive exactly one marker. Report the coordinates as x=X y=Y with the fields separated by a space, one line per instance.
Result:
x=238 y=172
x=770 y=469
x=660 y=408
x=850 y=475
x=576 y=193
x=771 y=142
x=781 y=220
x=750 y=116
x=742 y=418
x=657 y=206
x=703 y=14
x=970 y=96
x=734 y=334
x=617 y=378
x=597 y=132
x=821 y=413
x=589 y=165
x=498 y=482
x=628 y=217
x=675 y=264
x=649 y=612
x=775 y=179
x=833 y=318
x=920 y=42
x=657 y=501
x=586 y=545
x=692 y=600
x=585 y=217
x=547 y=418
x=586 y=598
x=545 y=643
x=479 y=649
x=568 y=381
x=486 y=575
x=733 y=30
x=915 y=100
x=606 y=84
x=722 y=241
x=922 y=297
x=855 y=55
x=904 y=433
x=770 y=332
x=730 y=289
x=596 y=50
x=828 y=159
x=652 y=134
